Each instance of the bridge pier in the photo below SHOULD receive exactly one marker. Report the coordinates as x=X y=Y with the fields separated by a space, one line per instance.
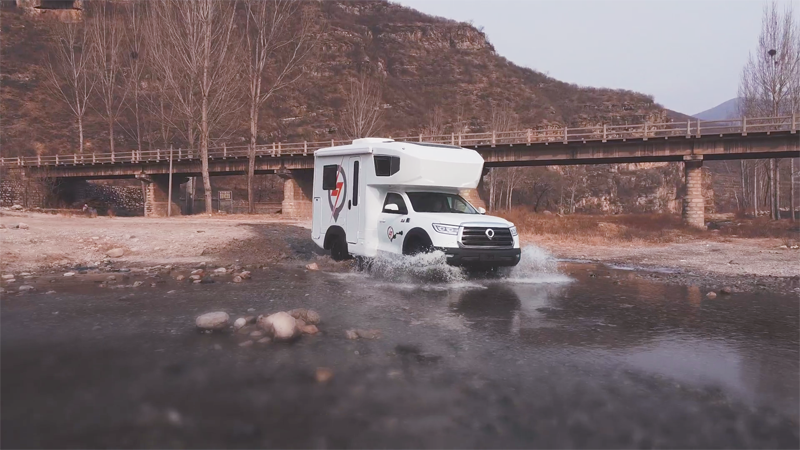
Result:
x=693 y=202
x=297 y=192
x=156 y=193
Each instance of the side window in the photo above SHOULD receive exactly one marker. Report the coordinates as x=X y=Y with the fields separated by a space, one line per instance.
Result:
x=456 y=204
x=355 y=183
x=386 y=166
x=395 y=199
x=329 y=177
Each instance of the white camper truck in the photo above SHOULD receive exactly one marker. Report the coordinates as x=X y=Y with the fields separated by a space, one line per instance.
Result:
x=380 y=196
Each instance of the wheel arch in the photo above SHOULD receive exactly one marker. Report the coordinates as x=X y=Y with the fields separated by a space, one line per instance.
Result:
x=333 y=232
x=416 y=234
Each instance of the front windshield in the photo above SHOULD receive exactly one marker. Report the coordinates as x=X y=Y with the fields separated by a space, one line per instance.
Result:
x=436 y=202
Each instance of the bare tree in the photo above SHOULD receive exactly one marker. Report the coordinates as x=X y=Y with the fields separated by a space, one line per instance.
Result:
x=108 y=36
x=436 y=121
x=503 y=119
x=67 y=69
x=280 y=36
x=193 y=51
x=769 y=82
x=135 y=58
x=363 y=109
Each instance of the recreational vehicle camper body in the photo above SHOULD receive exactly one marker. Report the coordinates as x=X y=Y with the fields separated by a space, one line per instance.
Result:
x=380 y=196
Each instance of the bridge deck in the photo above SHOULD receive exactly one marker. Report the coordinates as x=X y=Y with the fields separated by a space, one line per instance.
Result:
x=771 y=137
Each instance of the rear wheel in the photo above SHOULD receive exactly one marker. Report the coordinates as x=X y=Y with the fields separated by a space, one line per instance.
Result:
x=339 y=249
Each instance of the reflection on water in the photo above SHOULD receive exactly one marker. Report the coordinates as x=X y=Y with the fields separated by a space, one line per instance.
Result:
x=746 y=344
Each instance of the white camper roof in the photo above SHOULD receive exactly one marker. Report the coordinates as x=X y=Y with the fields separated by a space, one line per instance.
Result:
x=421 y=164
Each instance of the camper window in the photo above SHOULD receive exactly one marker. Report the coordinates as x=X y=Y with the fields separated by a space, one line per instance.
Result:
x=329 y=177
x=386 y=166
x=397 y=200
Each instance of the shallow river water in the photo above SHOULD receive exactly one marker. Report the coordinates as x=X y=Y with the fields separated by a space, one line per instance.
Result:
x=548 y=355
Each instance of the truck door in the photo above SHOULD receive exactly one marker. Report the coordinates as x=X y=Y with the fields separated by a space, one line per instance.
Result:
x=393 y=224
x=353 y=208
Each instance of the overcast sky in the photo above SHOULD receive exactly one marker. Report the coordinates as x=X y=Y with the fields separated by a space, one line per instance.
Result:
x=688 y=54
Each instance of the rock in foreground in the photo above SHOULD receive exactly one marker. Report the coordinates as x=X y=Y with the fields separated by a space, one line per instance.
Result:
x=281 y=326
x=213 y=321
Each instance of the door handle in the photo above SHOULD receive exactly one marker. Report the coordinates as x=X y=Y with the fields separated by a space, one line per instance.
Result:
x=349 y=204
x=382 y=221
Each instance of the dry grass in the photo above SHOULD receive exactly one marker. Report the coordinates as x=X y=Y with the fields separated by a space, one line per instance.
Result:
x=641 y=228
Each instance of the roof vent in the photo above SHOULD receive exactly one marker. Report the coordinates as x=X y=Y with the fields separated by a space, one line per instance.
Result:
x=372 y=141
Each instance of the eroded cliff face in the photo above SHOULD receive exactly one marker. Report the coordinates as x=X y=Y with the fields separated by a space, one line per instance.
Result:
x=426 y=62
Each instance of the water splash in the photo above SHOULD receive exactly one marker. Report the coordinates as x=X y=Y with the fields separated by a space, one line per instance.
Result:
x=536 y=265
x=425 y=268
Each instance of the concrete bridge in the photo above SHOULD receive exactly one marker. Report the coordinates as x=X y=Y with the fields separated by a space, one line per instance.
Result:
x=690 y=142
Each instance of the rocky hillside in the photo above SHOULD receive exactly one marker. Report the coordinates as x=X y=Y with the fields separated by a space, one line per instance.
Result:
x=423 y=62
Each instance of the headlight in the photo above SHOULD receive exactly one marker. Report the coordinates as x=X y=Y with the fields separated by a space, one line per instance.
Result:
x=513 y=231
x=445 y=229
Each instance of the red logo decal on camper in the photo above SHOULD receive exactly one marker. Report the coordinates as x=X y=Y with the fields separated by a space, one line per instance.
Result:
x=336 y=197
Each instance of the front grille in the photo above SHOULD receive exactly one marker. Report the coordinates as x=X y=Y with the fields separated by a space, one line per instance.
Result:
x=476 y=237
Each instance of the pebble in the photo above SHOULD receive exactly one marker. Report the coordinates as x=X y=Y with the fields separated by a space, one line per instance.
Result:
x=69 y=274
x=237 y=279
x=245 y=275
x=25 y=287
x=264 y=340
x=727 y=290
x=312 y=266
x=25 y=274
x=308 y=316
x=256 y=334
x=197 y=281
x=246 y=344
x=368 y=334
x=111 y=278
x=22 y=226
x=711 y=295
x=239 y=323
x=198 y=272
x=220 y=270
x=251 y=309
x=8 y=276
x=309 y=329
x=212 y=321
x=137 y=283
x=323 y=374
x=115 y=252
x=195 y=277
x=351 y=334
x=50 y=292
x=180 y=278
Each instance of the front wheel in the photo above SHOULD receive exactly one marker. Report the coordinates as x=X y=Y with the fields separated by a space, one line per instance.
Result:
x=339 y=249
x=418 y=245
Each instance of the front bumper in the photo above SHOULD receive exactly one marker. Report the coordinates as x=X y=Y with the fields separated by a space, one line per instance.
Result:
x=482 y=256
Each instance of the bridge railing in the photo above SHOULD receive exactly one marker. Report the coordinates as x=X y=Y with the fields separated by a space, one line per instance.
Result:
x=603 y=133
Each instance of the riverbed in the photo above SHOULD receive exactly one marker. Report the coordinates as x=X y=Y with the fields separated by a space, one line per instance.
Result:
x=554 y=354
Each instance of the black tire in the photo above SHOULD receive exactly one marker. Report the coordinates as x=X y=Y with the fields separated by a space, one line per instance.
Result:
x=418 y=245
x=339 y=249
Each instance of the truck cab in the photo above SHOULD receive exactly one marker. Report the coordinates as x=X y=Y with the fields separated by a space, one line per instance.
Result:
x=380 y=196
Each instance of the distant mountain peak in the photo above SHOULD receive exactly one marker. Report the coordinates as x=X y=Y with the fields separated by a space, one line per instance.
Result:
x=725 y=110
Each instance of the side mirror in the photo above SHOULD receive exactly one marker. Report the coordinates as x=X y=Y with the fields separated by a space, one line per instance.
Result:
x=391 y=207
x=481 y=210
